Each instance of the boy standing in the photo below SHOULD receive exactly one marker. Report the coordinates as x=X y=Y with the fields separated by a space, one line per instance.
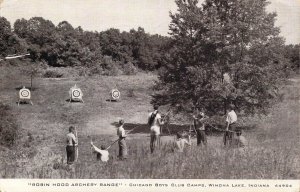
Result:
x=71 y=145
x=200 y=128
x=154 y=121
x=122 y=143
x=231 y=125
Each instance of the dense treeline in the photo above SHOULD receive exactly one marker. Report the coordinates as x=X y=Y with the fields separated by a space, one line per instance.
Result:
x=109 y=52
x=105 y=52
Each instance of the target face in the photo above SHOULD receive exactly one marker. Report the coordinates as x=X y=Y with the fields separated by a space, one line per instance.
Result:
x=24 y=94
x=76 y=93
x=115 y=94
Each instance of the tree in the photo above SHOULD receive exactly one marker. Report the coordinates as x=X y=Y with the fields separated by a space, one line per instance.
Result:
x=39 y=35
x=10 y=43
x=147 y=49
x=5 y=34
x=233 y=37
x=31 y=70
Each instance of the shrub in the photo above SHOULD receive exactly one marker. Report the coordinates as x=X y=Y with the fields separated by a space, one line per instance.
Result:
x=110 y=67
x=52 y=74
x=129 y=69
x=8 y=126
x=95 y=70
x=113 y=70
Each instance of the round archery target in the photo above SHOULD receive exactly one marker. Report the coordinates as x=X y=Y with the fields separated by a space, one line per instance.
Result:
x=115 y=94
x=24 y=94
x=76 y=93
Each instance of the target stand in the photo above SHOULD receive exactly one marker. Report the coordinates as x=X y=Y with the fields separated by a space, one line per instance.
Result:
x=24 y=95
x=115 y=95
x=75 y=94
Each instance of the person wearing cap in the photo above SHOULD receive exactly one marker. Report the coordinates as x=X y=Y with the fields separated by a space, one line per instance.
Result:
x=181 y=142
x=122 y=142
x=102 y=153
x=231 y=120
x=72 y=143
x=199 y=124
x=155 y=122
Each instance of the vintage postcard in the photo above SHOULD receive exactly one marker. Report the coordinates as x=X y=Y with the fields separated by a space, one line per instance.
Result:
x=149 y=95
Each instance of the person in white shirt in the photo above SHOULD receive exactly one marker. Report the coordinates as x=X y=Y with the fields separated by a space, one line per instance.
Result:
x=181 y=142
x=71 y=145
x=102 y=153
x=122 y=142
x=154 y=121
x=230 y=125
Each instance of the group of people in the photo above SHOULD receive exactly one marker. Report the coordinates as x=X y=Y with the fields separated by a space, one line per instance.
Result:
x=232 y=136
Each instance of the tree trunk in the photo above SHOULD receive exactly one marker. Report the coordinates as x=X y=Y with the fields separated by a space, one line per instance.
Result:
x=31 y=82
x=225 y=106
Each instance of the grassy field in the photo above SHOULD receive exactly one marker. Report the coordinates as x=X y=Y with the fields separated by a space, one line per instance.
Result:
x=273 y=151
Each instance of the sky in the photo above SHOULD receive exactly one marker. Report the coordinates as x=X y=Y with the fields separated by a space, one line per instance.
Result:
x=152 y=15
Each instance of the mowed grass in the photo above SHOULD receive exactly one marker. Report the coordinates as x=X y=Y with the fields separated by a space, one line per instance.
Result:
x=272 y=152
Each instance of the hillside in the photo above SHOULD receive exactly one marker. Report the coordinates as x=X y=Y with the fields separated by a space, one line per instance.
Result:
x=40 y=150
x=51 y=115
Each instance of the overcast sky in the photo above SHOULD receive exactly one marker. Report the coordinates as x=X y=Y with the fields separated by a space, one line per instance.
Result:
x=152 y=15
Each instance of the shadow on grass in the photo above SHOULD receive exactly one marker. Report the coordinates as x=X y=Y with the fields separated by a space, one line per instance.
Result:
x=73 y=101
x=23 y=102
x=111 y=100
x=172 y=129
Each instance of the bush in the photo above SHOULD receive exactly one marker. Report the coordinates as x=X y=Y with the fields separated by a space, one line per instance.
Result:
x=113 y=70
x=110 y=67
x=129 y=69
x=52 y=74
x=95 y=70
x=8 y=126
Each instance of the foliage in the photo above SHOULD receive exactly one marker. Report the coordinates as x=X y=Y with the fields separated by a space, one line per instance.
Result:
x=292 y=53
x=233 y=38
x=5 y=33
x=52 y=73
x=10 y=43
x=129 y=69
x=110 y=67
x=63 y=45
x=208 y=41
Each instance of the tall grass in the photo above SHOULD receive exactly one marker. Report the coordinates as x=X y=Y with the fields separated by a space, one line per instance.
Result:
x=8 y=126
x=266 y=161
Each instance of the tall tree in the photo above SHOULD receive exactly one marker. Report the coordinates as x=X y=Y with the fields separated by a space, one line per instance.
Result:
x=39 y=34
x=5 y=34
x=234 y=38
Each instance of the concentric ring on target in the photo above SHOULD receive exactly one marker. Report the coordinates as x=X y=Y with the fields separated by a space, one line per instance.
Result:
x=76 y=93
x=25 y=93
x=115 y=94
